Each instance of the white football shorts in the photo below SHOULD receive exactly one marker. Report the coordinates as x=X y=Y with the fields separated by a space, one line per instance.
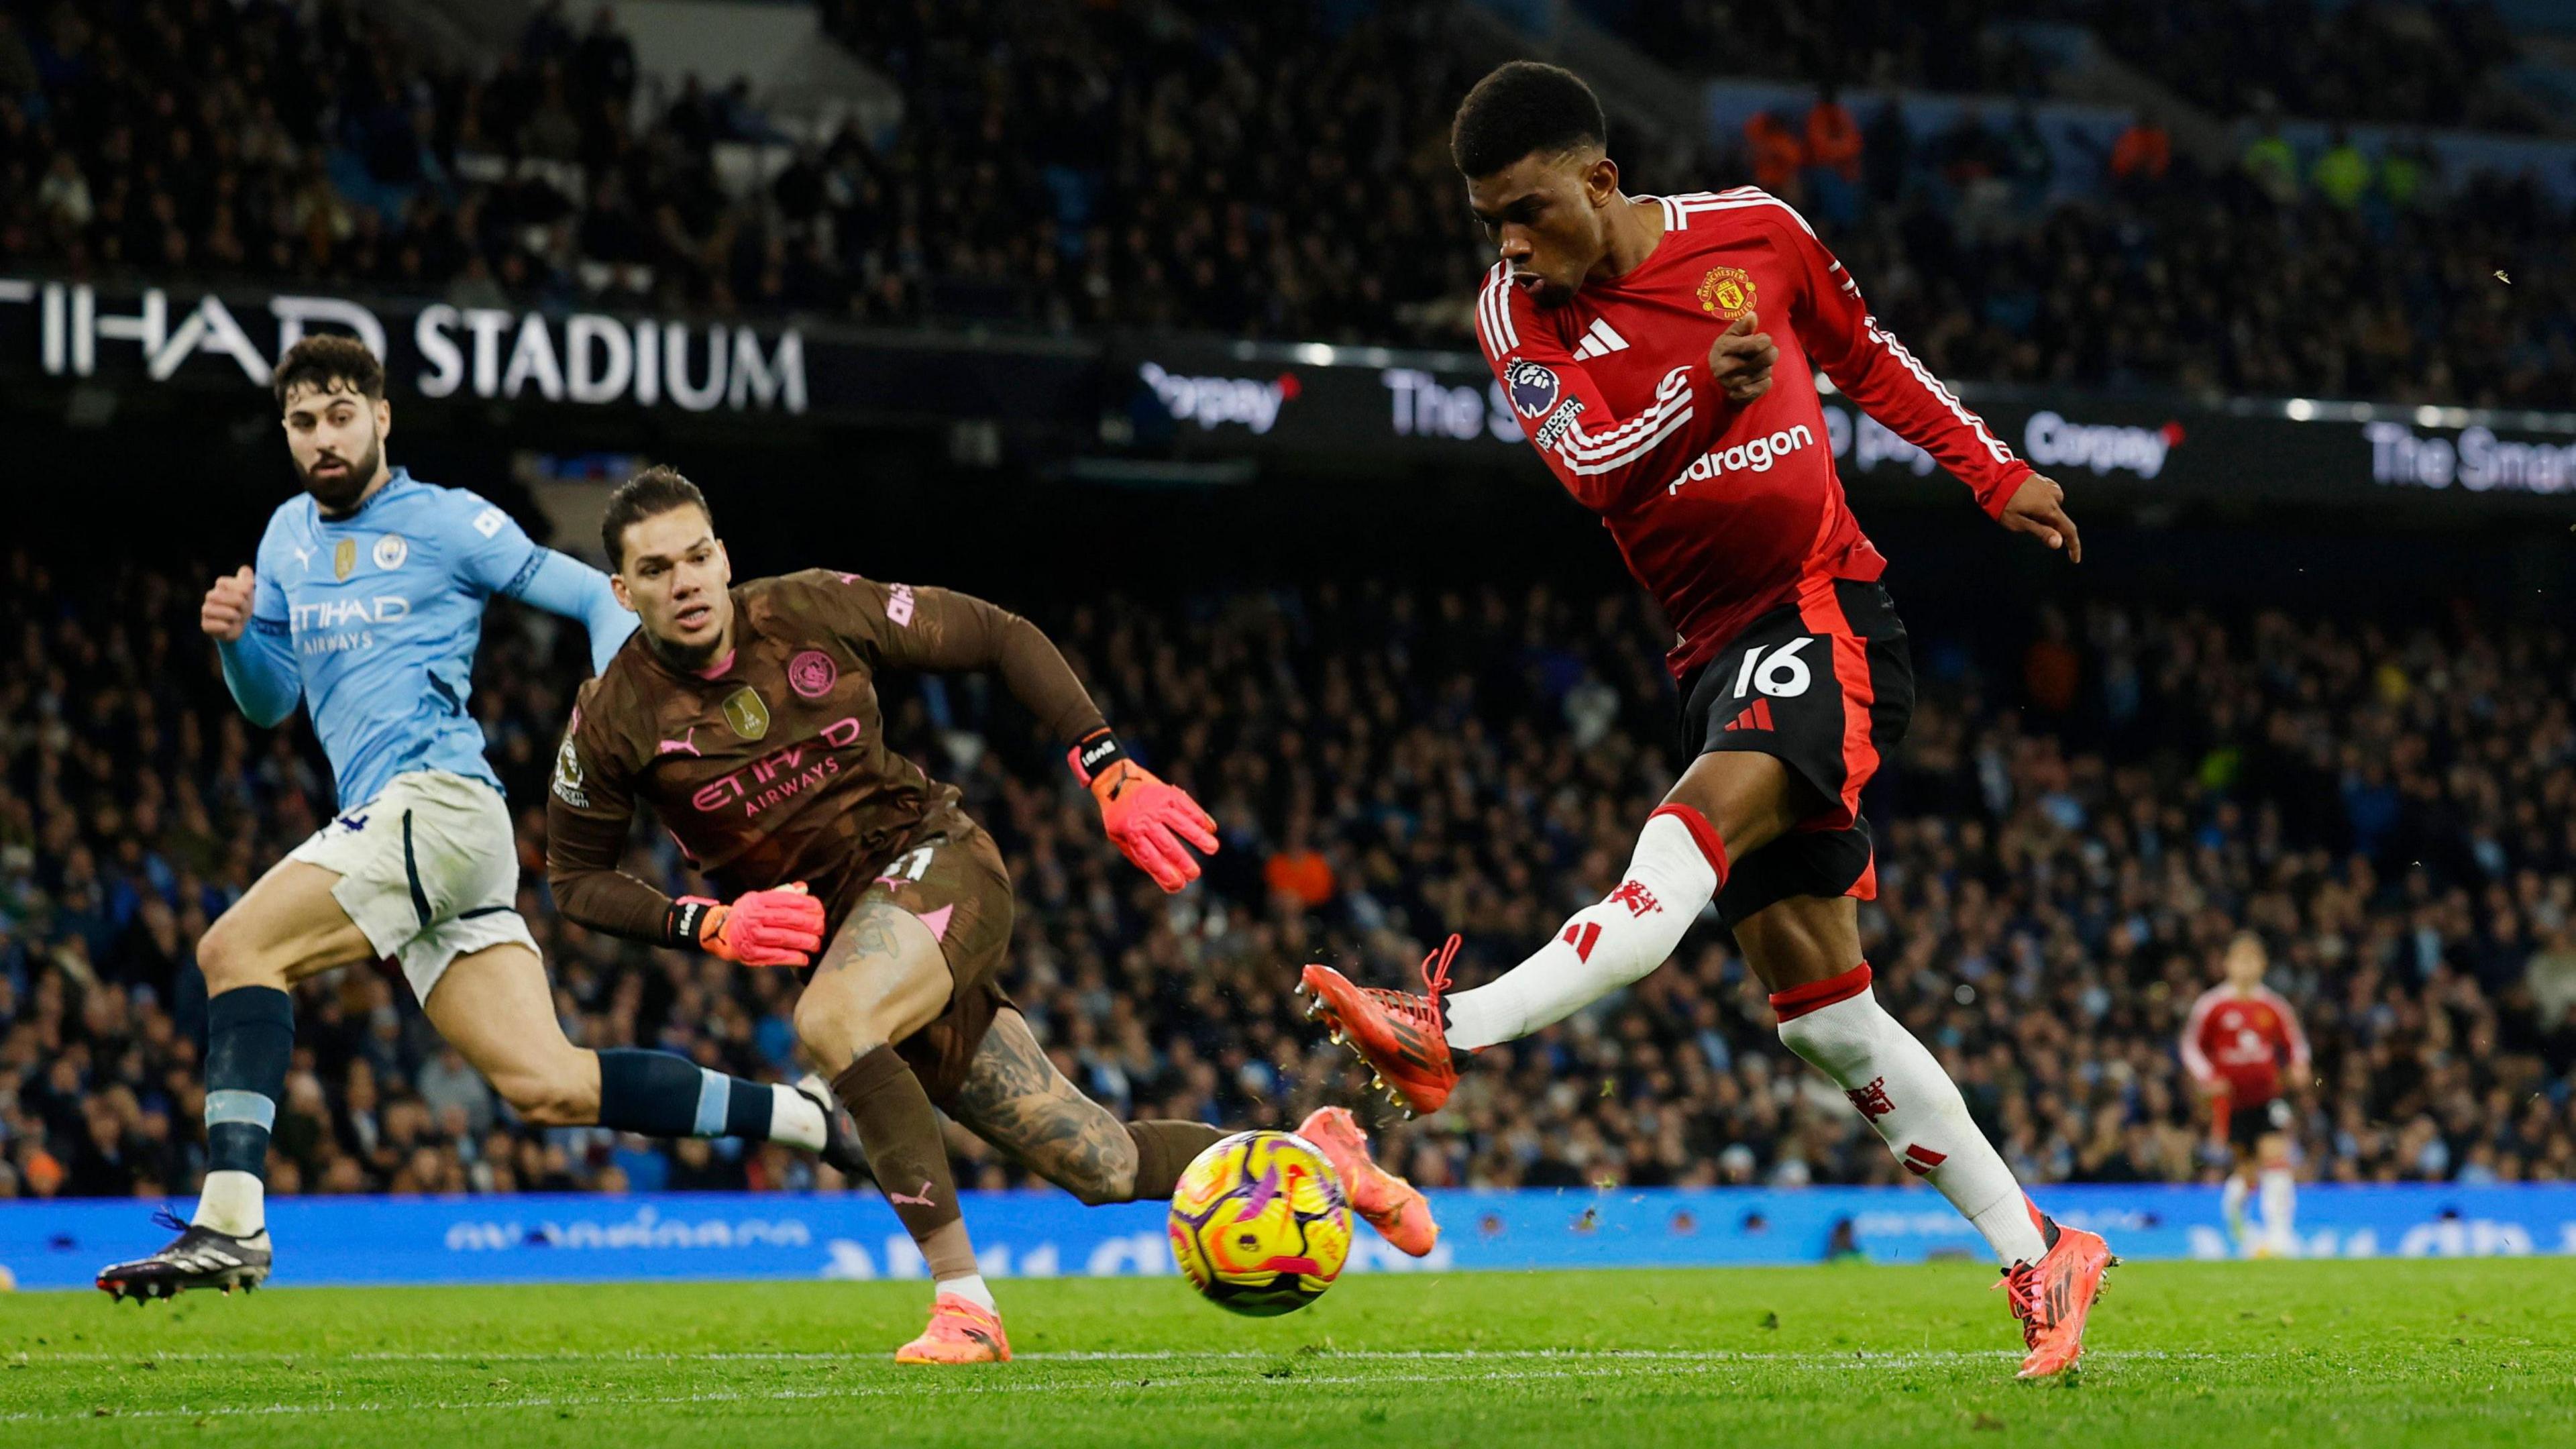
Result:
x=429 y=870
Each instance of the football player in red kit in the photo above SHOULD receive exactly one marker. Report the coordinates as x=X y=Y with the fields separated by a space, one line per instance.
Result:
x=2237 y=1044
x=1662 y=354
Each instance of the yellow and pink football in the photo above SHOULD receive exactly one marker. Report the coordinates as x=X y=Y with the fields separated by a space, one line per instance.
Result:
x=1260 y=1225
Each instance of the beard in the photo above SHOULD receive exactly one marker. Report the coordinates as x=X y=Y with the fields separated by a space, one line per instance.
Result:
x=683 y=658
x=338 y=492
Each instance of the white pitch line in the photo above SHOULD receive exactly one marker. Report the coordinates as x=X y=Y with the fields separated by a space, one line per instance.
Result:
x=1292 y=1381
x=1360 y=1355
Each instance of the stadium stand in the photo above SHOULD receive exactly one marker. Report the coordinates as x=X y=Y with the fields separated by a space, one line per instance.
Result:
x=1071 y=168
x=2393 y=61
x=2417 y=64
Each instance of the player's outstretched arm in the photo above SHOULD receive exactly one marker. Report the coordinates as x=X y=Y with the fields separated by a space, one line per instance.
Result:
x=496 y=556
x=1152 y=823
x=1875 y=371
x=258 y=658
x=561 y=584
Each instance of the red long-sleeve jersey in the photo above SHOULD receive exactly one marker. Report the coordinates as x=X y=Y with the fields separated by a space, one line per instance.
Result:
x=2244 y=1042
x=1722 y=510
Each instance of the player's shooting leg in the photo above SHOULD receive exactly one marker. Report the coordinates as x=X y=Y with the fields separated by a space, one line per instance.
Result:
x=1726 y=804
x=1806 y=950
x=1016 y=1099
x=1750 y=799
x=882 y=978
x=285 y=928
x=496 y=1008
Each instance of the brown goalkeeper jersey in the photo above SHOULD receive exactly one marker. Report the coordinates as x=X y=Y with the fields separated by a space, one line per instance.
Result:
x=771 y=765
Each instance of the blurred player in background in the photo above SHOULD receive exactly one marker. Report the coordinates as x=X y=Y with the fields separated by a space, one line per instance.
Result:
x=1629 y=334
x=366 y=604
x=747 y=718
x=2239 y=1038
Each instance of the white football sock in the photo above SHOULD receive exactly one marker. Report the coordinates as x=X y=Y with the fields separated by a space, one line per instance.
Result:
x=2231 y=1205
x=1677 y=869
x=971 y=1288
x=1839 y=1027
x=2280 y=1209
x=232 y=1202
x=794 y=1118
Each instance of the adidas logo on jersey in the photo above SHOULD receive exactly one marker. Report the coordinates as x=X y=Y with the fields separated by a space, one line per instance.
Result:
x=1598 y=339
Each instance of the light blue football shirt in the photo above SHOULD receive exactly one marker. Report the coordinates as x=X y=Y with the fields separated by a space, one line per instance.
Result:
x=372 y=621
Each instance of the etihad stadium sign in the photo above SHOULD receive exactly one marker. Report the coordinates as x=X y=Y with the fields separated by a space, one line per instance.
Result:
x=430 y=349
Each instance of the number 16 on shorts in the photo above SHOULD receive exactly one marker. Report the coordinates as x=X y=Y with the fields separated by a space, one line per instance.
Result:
x=1825 y=685
x=1776 y=671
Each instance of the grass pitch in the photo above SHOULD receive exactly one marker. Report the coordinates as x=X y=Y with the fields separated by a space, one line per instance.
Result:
x=2381 y=1352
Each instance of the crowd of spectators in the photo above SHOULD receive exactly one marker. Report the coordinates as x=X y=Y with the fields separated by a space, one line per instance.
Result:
x=263 y=140
x=2076 y=824
x=1942 y=45
x=1270 y=171
x=2400 y=62
x=2344 y=275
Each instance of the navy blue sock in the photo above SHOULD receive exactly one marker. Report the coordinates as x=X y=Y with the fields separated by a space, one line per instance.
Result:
x=250 y=1038
x=747 y=1107
x=663 y=1094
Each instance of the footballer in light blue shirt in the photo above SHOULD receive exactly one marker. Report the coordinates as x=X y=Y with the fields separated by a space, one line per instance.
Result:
x=365 y=604
x=370 y=615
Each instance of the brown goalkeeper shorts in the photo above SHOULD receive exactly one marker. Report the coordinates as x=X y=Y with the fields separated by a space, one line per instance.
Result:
x=950 y=876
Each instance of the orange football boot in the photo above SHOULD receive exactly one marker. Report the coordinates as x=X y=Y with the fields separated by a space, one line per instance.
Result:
x=961 y=1331
x=1393 y=1206
x=2053 y=1296
x=1398 y=1033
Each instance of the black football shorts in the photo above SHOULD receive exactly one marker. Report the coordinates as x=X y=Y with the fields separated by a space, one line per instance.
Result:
x=2248 y=1125
x=1826 y=685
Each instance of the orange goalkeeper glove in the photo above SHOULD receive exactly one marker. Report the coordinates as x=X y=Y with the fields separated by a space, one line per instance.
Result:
x=780 y=927
x=1146 y=819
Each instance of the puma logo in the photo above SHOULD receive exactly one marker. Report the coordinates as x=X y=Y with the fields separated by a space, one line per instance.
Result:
x=685 y=745
x=908 y=1200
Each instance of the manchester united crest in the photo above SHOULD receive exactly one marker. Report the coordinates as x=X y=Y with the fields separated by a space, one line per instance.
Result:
x=744 y=711
x=1726 y=293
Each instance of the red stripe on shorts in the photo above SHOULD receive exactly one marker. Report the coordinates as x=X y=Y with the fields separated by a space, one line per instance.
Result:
x=1820 y=609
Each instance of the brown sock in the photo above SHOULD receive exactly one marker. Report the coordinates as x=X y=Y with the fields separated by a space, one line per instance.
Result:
x=901 y=1135
x=1164 y=1151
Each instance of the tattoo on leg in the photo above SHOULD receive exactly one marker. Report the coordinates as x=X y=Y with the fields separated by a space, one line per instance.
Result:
x=868 y=932
x=1015 y=1099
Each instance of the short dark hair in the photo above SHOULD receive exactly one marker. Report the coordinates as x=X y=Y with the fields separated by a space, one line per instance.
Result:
x=649 y=494
x=328 y=360
x=1520 y=108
